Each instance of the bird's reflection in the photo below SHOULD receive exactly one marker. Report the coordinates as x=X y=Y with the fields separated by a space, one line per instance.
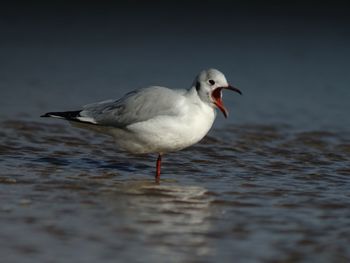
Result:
x=169 y=217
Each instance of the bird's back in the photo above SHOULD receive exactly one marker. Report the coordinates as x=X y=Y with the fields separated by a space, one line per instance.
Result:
x=136 y=106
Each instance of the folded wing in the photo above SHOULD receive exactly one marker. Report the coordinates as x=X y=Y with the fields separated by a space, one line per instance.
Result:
x=136 y=106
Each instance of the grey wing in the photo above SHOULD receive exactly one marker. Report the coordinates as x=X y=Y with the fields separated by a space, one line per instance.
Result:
x=136 y=106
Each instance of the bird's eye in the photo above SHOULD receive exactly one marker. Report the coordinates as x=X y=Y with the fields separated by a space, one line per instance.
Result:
x=212 y=82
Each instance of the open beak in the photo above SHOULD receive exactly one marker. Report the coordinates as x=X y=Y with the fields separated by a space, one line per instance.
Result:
x=217 y=97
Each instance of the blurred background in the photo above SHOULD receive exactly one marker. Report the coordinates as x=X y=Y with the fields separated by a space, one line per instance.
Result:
x=290 y=59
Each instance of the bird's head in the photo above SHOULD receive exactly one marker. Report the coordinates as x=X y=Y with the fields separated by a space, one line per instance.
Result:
x=209 y=85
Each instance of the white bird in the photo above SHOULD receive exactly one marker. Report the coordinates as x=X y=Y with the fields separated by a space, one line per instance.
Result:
x=156 y=119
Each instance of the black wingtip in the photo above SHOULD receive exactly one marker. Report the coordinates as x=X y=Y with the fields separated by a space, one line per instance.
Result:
x=68 y=115
x=46 y=115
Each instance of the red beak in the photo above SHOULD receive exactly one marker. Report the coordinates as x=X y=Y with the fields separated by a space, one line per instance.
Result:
x=217 y=97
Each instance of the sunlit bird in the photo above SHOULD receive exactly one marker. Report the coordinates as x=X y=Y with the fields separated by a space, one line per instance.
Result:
x=156 y=119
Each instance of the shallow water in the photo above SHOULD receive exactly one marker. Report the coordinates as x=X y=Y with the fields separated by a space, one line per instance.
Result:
x=257 y=193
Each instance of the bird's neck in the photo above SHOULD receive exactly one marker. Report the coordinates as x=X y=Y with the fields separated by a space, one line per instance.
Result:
x=193 y=94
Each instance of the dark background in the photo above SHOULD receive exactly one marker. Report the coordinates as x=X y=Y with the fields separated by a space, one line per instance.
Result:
x=290 y=59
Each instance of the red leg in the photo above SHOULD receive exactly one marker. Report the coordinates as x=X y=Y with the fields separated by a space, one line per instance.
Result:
x=159 y=162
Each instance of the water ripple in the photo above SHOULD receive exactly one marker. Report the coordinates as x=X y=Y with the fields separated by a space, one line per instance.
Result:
x=256 y=192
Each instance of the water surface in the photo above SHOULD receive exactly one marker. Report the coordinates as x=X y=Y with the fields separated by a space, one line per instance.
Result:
x=257 y=193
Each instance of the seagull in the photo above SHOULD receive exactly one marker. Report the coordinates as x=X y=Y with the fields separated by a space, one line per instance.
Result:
x=156 y=119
